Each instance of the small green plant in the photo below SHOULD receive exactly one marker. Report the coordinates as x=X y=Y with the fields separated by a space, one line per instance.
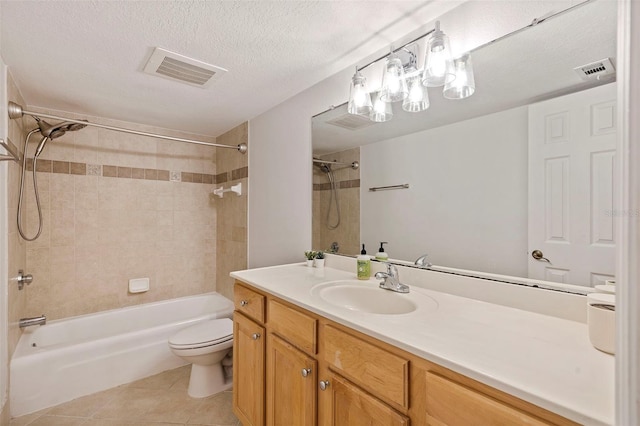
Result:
x=310 y=254
x=319 y=255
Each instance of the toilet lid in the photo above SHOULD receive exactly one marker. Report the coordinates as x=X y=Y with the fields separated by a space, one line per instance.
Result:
x=206 y=333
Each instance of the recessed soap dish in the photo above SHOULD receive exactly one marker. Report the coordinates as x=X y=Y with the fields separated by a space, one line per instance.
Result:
x=138 y=285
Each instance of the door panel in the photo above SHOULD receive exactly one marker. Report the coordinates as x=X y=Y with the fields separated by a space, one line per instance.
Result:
x=572 y=152
x=291 y=385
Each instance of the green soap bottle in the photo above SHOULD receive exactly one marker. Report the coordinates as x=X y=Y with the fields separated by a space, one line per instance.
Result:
x=364 y=265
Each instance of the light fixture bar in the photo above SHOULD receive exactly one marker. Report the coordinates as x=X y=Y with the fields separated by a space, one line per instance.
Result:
x=420 y=37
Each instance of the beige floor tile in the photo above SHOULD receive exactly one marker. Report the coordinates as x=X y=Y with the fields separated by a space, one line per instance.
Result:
x=131 y=403
x=29 y=418
x=164 y=380
x=159 y=400
x=48 y=420
x=215 y=410
x=85 y=406
x=172 y=406
x=123 y=422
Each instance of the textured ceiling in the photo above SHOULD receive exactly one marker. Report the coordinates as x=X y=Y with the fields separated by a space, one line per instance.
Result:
x=87 y=56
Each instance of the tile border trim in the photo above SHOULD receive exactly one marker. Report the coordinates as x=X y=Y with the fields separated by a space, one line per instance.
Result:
x=86 y=169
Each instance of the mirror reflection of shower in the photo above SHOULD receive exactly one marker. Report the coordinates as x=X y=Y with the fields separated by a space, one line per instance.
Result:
x=327 y=167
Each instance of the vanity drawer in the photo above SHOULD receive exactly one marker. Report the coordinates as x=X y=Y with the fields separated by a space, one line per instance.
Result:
x=294 y=326
x=249 y=302
x=380 y=372
x=445 y=397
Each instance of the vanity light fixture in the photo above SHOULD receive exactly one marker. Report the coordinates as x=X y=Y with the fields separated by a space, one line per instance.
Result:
x=403 y=81
x=359 y=98
x=438 y=64
x=381 y=111
x=394 y=84
x=418 y=99
x=464 y=84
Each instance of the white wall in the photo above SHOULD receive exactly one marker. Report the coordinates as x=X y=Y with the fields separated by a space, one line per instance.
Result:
x=279 y=226
x=468 y=191
x=280 y=139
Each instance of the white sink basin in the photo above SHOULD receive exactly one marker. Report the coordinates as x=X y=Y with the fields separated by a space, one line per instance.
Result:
x=368 y=297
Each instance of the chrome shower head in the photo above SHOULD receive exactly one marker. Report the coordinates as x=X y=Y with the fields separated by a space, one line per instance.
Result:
x=53 y=131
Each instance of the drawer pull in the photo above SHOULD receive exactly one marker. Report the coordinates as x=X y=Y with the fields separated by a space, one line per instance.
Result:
x=324 y=384
x=244 y=302
x=306 y=372
x=255 y=336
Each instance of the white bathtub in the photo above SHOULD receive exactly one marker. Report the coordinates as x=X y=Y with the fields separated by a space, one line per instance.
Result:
x=69 y=358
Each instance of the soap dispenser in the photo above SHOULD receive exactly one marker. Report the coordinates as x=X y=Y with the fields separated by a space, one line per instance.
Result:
x=382 y=255
x=363 y=265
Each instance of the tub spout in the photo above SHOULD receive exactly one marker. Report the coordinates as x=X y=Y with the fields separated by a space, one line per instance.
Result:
x=27 y=322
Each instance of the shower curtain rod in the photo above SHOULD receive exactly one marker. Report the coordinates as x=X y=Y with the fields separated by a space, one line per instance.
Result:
x=16 y=111
x=353 y=165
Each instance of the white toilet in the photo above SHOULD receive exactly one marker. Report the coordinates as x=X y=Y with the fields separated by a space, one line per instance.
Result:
x=205 y=345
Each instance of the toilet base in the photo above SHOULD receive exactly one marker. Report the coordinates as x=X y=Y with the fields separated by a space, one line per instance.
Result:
x=207 y=380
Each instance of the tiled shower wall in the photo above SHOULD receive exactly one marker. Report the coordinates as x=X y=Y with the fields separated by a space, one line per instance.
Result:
x=118 y=206
x=347 y=234
x=232 y=210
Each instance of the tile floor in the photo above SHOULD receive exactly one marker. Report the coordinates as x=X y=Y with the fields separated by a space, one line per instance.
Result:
x=157 y=400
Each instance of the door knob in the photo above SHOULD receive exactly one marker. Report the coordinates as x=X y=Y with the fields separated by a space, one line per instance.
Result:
x=255 y=336
x=324 y=384
x=244 y=303
x=306 y=372
x=538 y=255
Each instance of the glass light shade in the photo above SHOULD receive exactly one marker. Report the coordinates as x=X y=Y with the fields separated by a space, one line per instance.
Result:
x=464 y=84
x=438 y=66
x=394 y=85
x=418 y=99
x=359 y=98
x=381 y=111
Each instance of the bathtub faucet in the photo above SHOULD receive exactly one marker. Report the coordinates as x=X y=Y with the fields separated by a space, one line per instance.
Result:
x=27 y=322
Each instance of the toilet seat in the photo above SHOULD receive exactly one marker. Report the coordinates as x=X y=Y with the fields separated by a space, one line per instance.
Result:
x=208 y=333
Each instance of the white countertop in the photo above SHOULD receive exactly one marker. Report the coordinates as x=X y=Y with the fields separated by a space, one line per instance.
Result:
x=545 y=360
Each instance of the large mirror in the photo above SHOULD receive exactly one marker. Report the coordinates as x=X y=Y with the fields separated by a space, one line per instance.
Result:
x=516 y=180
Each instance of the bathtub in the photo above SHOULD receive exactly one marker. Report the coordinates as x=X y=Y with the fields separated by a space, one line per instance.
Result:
x=69 y=358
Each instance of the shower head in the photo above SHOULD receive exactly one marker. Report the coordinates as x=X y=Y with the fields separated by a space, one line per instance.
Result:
x=53 y=131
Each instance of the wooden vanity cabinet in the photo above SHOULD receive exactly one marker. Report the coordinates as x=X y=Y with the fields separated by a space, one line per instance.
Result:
x=291 y=384
x=312 y=371
x=248 y=370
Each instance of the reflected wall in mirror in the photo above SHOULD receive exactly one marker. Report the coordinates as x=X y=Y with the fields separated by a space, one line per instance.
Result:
x=525 y=164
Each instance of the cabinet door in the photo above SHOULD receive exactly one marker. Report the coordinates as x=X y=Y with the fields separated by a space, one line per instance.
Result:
x=348 y=405
x=248 y=371
x=291 y=385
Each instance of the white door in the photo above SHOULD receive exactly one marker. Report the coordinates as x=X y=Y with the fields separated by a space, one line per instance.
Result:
x=572 y=148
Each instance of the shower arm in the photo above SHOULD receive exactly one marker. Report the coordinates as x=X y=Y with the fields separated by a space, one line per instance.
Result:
x=16 y=111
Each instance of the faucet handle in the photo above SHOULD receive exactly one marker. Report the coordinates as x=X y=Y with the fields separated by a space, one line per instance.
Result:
x=422 y=262
x=392 y=270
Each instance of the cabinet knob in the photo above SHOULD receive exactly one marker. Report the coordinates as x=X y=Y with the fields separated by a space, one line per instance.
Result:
x=306 y=372
x=255 y=336
x=324 y=384
x=244 y=302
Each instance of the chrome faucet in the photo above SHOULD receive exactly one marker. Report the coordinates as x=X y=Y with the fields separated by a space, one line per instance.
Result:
x=27 y=322
x=391 y=279
x=422 y=262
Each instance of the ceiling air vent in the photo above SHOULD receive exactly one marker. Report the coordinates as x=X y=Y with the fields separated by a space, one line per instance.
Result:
x=351 y=122
x=596 y=70
x=174 y=66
